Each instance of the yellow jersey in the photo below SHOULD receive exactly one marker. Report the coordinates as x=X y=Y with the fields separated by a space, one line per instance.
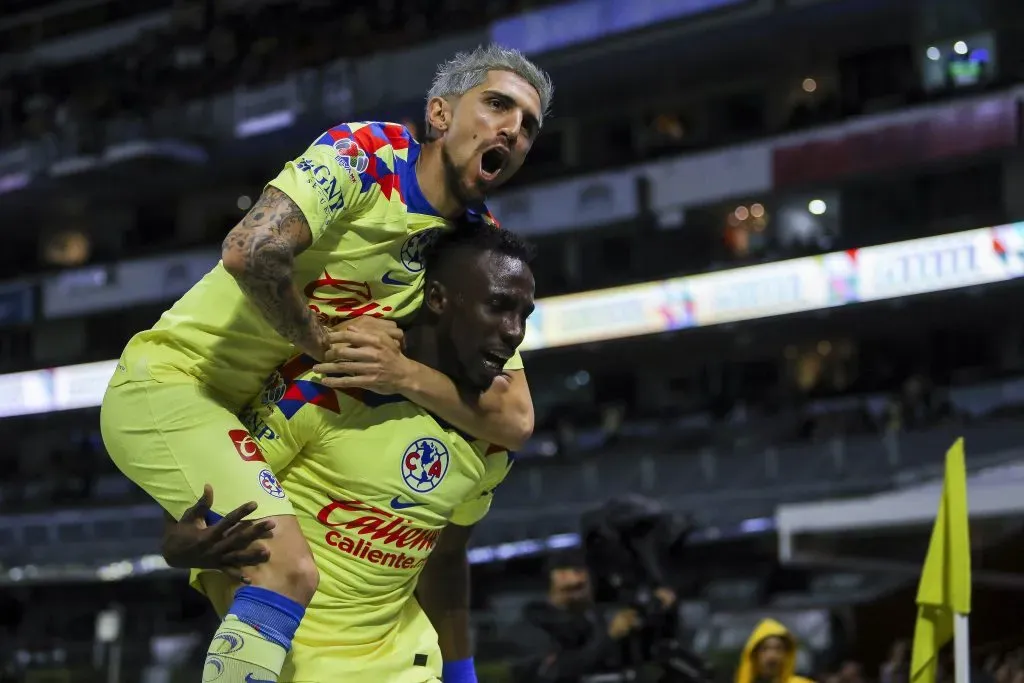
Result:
x=356 y=185
x=373 y=480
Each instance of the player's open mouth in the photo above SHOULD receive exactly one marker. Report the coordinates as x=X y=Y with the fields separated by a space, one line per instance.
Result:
x=492 y=163
x=495 y=360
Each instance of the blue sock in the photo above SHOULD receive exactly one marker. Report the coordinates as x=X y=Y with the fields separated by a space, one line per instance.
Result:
x=251 y=644
x=272 y=614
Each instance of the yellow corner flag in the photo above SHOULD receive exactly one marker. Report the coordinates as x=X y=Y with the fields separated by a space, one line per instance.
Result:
x=945 y=587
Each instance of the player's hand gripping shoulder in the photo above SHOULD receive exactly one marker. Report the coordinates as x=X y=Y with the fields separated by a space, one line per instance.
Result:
x=366 y=353
x=260 y=254
x=228 y=545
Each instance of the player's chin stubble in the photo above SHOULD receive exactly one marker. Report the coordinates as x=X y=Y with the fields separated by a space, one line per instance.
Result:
x=453 y=177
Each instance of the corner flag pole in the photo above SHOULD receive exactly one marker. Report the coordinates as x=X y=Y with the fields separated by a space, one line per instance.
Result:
x=961 y=648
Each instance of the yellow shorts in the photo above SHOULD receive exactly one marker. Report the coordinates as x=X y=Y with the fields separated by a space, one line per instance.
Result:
x=320 y=654
x=172 y=438
x=408 y=654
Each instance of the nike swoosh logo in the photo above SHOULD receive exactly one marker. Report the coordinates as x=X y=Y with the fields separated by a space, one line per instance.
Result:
x=388 y=280
x=397 y=504
x=249 y=679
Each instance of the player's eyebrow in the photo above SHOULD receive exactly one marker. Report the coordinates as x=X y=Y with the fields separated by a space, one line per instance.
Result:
x=531 y=121
x=511 y=296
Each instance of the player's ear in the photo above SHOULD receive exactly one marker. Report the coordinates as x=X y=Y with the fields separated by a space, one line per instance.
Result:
x=435 y=297
x=439 y=114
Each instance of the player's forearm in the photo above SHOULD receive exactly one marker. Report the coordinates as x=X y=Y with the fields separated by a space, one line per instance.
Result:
x=500 y=415
x=260 y=254
x=269 y=287
x=443 y=592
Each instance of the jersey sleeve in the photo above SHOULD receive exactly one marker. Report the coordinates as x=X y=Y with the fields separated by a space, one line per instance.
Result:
x=477 y=504
x=334 y=177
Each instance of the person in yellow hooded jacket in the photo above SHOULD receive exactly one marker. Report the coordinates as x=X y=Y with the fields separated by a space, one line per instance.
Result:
x=769 y=656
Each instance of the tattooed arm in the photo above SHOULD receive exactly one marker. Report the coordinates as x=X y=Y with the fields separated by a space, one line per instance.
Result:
x=260 y=254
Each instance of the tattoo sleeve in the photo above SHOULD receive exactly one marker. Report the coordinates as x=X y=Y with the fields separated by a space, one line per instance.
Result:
x=260 y=253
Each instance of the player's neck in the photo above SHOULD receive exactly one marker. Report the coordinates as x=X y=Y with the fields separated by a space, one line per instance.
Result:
x=421 y=346
x=430 y=175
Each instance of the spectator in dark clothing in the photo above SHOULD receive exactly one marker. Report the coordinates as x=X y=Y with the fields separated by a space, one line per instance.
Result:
x=568 y=635
x=896 y=669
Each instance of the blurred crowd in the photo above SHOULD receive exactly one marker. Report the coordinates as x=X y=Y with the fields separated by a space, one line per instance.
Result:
x=816 y=392
x=67 y=465
x=1000 y=667
x=214 y=46
x=567 y=635
x=996 y=663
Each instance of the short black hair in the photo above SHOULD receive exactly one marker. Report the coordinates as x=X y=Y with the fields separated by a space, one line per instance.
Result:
x=567 y=558
x=475 y=232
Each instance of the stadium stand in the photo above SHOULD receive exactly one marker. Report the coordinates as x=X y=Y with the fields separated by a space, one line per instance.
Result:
x=779 y=259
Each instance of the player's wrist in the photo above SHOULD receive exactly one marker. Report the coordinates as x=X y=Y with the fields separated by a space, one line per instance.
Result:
x=319 y=342
x=409 y=379
x=459 y=671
